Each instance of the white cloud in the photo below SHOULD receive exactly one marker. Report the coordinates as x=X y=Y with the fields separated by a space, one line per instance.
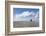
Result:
x=37 y=15
x=24 y=14
x=18 y=17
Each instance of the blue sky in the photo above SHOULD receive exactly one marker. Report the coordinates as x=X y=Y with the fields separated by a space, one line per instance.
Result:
x=20 y=10
x=24 y=14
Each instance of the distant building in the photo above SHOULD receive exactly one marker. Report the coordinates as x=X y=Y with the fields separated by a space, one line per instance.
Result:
x=31 y=20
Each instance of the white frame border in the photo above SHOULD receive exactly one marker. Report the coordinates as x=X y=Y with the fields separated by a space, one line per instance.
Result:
x=26 y=28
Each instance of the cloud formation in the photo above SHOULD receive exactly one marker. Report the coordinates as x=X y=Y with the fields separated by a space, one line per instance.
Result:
x=18 y=17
